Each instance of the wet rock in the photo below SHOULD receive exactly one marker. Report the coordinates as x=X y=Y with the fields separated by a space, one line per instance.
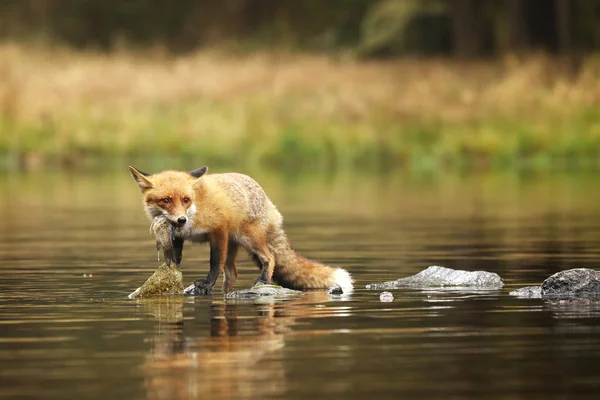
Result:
x=335 y=290
x=264 y=291
x=529 y=292
x=436 y=276
x=164 y=282
x=580 y=282
x=386 y=297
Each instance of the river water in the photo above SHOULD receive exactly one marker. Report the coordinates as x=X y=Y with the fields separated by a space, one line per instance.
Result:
x=73 y=246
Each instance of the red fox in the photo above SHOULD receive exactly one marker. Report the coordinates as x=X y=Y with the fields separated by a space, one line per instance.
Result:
x=231 y=210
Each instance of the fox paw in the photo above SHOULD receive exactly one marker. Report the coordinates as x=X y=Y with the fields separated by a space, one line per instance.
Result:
x=259 y=282
x=198 y=288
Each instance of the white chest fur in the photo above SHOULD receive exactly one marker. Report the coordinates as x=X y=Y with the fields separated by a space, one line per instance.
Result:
x=192 y=233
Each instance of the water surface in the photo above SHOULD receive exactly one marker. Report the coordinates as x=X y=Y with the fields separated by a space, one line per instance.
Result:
x=73 y=246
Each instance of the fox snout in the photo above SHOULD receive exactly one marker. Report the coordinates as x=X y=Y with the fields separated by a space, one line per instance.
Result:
x=174 y=220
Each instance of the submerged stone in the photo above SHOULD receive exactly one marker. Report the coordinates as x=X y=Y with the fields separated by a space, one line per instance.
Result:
x=436 y=276
x=530 y=292
x=263 y=291
x=165 y=281
x=582 y=282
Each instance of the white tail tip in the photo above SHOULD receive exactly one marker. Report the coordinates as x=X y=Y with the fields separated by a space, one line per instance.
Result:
x=343 y=278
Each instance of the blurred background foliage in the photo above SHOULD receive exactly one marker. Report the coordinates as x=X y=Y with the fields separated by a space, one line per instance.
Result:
x=333 y=84
x=374 y=28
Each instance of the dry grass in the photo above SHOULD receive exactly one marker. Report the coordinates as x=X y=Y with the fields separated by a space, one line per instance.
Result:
x=61 y=104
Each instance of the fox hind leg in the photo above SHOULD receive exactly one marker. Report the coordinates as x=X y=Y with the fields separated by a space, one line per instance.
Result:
x=256 y=260
x=230 y=271
x=267 y=262
x=254 y=240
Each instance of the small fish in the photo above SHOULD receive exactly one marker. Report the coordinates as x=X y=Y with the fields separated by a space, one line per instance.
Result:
x=164 y=232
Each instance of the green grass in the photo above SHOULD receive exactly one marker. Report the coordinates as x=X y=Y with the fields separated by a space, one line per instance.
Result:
x=294 y=112
x=263 y=139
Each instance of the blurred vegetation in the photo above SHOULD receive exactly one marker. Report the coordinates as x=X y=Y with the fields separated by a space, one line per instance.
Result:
x=373 y=27
x=301 y=84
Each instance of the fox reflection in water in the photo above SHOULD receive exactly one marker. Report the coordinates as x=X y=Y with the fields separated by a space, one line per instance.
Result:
x=240 y=359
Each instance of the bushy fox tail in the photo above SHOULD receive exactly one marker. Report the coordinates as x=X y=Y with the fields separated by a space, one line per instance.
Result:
x=296 y=272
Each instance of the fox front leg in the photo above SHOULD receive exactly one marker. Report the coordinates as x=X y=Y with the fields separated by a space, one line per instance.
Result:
x=218 y=256
x=177 y=250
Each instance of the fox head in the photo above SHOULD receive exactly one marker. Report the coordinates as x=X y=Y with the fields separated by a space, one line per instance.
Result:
x=169 y=193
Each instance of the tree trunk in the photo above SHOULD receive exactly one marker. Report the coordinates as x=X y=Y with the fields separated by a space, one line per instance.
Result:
x=563 y=26
x=565 y=36
x=467 y=36
x=518 y=39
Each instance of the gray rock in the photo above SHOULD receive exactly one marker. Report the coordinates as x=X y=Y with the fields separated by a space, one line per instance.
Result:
x=386 y=297
x=335 y=290
x=264 y=291
x=436 y=276
x=582 y=282
x=529 y=292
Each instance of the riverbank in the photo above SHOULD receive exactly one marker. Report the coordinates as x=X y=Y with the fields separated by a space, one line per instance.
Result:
x=67 y=108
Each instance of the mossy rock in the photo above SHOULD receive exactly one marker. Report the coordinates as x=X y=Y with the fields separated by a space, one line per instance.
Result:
x=165 y=281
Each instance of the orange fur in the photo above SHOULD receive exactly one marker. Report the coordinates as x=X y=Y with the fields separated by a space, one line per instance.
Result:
x=228 y=211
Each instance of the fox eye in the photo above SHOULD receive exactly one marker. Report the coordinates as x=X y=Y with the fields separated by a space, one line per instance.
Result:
x=186 y=200
x=165 y=200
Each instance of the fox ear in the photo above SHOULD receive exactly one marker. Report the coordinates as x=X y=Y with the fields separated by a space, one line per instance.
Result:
x=141 y=179
x=197 y=173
